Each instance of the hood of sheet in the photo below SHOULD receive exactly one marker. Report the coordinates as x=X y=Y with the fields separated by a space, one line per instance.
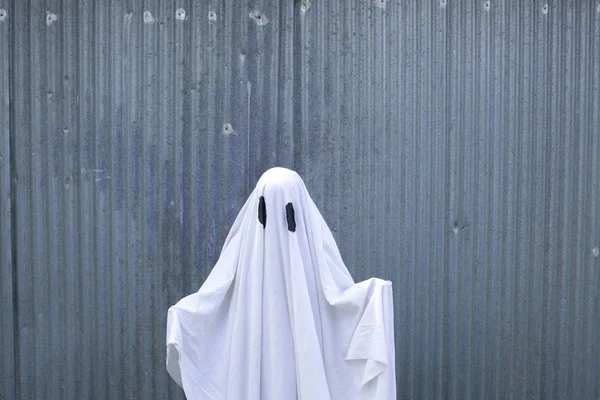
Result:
x=280 y=317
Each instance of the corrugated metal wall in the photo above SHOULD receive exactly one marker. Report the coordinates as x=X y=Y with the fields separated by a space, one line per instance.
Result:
x=453 y=146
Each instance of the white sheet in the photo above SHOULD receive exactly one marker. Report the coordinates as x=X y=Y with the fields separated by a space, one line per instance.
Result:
x=279 y=317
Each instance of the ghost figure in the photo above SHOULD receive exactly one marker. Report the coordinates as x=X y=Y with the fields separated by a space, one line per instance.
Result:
x=280 y=317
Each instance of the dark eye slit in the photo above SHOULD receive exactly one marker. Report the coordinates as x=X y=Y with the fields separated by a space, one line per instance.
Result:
x=262 y=212
x=291 y=220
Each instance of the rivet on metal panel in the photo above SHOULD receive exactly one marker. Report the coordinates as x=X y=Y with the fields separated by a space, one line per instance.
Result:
x=67 y=181
x=65 y=130
x=228 y=129
x=148 y=18
x=51 y=18
x=545 y=9
x=180 y=14
x=596 y=251
x=380 y=3
x=487 y=5
x=443 y=3
x=212 y=16
x=455 y=227
x=259 y=18
x=3 y=14
x=305 y=5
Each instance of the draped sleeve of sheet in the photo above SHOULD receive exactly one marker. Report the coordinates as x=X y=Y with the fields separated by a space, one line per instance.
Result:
x=279 y=317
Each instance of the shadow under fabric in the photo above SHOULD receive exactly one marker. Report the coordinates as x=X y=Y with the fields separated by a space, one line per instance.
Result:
x=280 y=317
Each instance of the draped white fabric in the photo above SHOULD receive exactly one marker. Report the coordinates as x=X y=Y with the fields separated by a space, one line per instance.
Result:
x=280 y=317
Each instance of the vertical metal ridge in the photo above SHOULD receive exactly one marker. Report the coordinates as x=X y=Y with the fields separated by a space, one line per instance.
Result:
x=160 y=379
x=354 y=110
x=110 y=259
x=440 y=55
x=594 y=345
x=341 y=176
x=581 y=204
x=489 y=349
x=364 y=125
x=469 y=219
x=334 y=125
x=9 y=288
x=61 y=183
x=424 y=173
x=70 y=130
x=505 y=188
x=526 y=223
x=318 y=75
x=565 y=234
x=117 y=201
x=108 y=183
x=400 y=255
x=483 y=207
x=514 y=185
x=368 y=140
x=411 y=197
x=34 y=173
x=212 y=159
x=50 y=171
x=484 y=188
x=417 y=289
x=461 y=182
x=95 y=336
x=78 y=189
x=146 y=56
x=544 y=58
x=145 y=298
x=537 y=254
x=329 y=101
x=452 y=195
x=23 y=213
x=576 y=159
x=402 y=344
x=592 y=338
x=159 y=300
x=549 y=362
x=390 y=97
x=562 y=224
x=201 y=165
x=498 y=201
x=131 y=50
x=112 y=183
x=97 y=163
x=446 y=368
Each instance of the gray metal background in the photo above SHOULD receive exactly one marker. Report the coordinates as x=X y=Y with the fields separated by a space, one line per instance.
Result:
x=452 y=145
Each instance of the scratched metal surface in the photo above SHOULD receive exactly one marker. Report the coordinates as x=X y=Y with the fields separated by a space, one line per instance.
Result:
x=453 y=146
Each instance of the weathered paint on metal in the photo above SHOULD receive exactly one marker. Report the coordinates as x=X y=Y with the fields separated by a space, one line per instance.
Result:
x=453 y=147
